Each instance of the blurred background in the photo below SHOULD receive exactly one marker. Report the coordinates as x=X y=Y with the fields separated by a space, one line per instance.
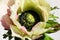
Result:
x=53 y=3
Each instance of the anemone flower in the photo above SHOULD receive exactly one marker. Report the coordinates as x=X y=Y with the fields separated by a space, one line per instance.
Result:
x=27 y=18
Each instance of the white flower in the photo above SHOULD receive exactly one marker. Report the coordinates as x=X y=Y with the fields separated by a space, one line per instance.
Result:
x=40 y=6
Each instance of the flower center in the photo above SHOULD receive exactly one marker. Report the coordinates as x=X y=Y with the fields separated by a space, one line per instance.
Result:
x=29 y=19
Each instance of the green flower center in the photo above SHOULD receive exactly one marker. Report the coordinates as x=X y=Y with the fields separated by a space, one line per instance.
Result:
x=29 y=19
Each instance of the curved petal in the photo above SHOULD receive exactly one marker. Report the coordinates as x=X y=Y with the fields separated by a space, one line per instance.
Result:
x=44 y=4
x=11 y=2
x=20 y=32
x=38 y=29
x=6 y=21
x=44 y=14
x=16 y=30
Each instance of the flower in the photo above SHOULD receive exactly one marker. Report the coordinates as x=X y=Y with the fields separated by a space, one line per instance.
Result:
x=36 y=12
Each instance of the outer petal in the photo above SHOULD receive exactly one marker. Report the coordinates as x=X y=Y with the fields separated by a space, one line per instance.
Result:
x=21 y=33
x=11 y=2
x=6 y=21
x=44 y=4
x=38 y=29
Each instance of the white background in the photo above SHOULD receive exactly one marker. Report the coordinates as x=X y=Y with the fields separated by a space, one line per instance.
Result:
x=55 y=36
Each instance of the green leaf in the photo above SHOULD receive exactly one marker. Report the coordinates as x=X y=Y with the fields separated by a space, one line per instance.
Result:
x=53 y=16
x=54 y=8
x=8 y=34
x=5 y=36
x=44 y=37
x=50 y=23
x=47 y=37
x=55 y=28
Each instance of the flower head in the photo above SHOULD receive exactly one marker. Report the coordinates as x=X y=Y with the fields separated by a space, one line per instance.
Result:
x=28 y=18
